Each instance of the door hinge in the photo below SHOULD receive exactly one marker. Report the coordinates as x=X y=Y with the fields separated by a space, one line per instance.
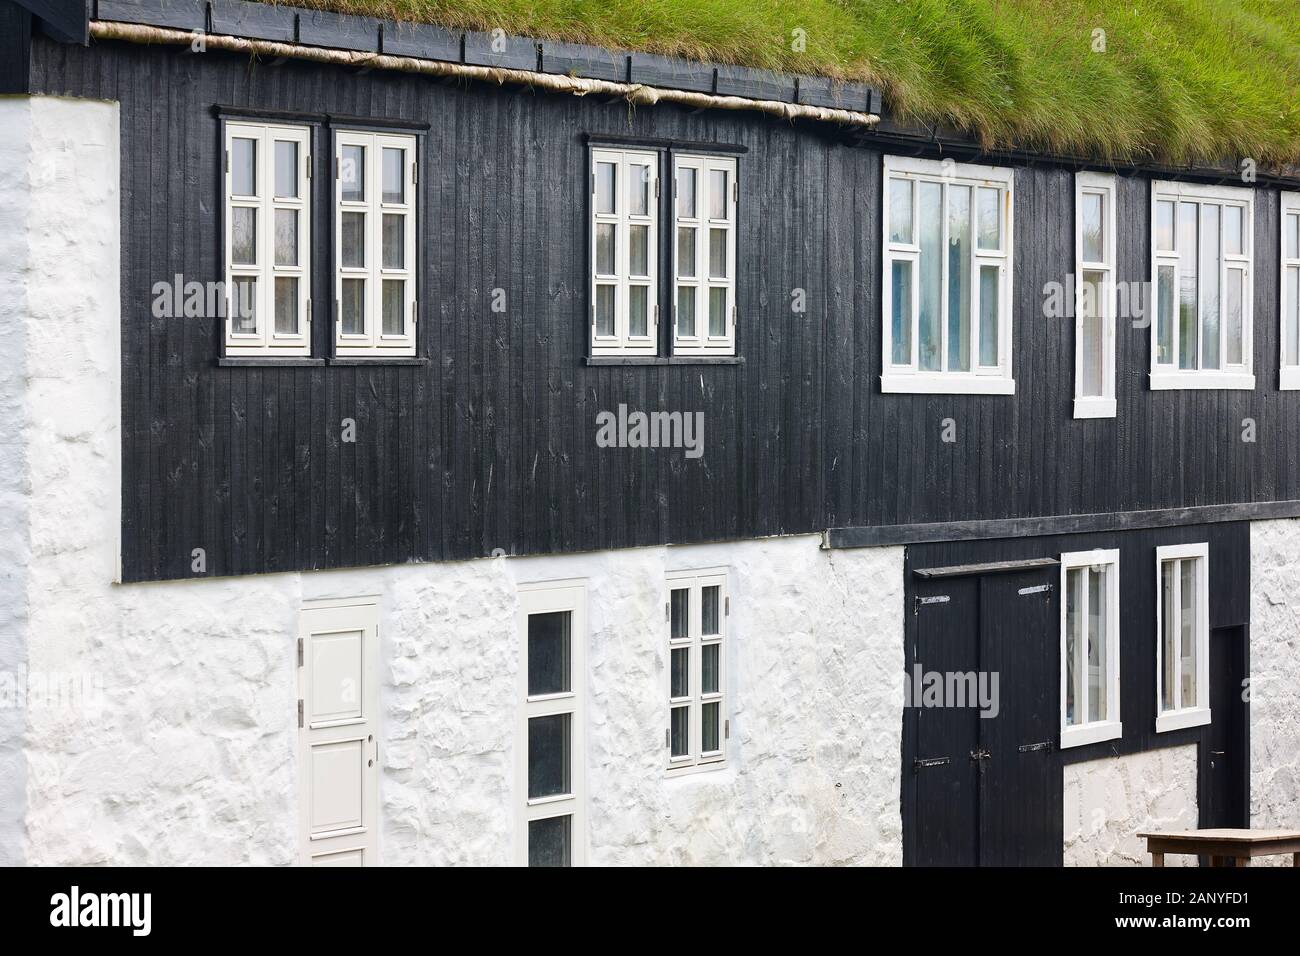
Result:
x=300 y=654
x=921 y=762
x=1036 y=589
x=299 y=713
x=919 y=601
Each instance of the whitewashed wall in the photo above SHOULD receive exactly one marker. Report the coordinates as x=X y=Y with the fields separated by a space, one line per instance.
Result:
x=1109 y=801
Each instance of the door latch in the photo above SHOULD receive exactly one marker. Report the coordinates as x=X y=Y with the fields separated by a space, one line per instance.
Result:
x=979 y=756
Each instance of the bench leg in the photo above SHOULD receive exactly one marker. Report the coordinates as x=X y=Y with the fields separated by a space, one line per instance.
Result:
x=1158 y=859
x=1295 y=859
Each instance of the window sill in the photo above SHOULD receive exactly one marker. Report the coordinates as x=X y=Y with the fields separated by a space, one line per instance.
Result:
x=1165 y=381
x=1179 y=719
x=379 y=360
x=694 y=770
x=1094 y=407
x=267 y=361
x=946 y=383
x=1082 y=734
x=599 y=360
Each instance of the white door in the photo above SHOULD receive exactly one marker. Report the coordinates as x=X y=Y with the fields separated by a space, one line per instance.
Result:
x=338 y=748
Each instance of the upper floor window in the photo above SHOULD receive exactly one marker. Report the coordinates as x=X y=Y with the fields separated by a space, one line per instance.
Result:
x=697 y=622
x=1201 y=259
x=1094 y=312
x=705 y=195
x=947 y=277
x=1182 y=636
x=1089 y=647
x=267 y=216
x=624 y=247
x=374 y=230
x=1290 y=376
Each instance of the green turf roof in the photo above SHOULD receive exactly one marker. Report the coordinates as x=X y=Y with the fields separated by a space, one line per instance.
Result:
x=1179 y=81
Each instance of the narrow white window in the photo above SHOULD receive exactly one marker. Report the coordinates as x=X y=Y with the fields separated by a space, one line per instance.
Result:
x=1094 y=310
x=374 y=245
x=1182 y=636
x=624 y=252
x=553 y=630
x=947 y=278
x=698 y=726
x=267 y=240
x=1089 y=647
x=1201 y=270
x=1290 y=345
x=705 y=194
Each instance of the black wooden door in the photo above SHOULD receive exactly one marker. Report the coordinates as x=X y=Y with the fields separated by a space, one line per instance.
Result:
x=1223 y=757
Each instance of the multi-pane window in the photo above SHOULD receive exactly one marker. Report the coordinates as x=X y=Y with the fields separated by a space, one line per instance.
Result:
x=268 y=240
x=624 y=252
x=1290 y=377
x=697 y=622
x=947 y=277
x=1094 y=311
x=1201 y=251
x=705 y=194
x=374 y=242
x=1182 y=636
x=1089 y=647
x=553 y=625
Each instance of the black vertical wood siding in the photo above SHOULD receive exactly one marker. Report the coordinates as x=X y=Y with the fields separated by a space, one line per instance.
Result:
x=492 y=445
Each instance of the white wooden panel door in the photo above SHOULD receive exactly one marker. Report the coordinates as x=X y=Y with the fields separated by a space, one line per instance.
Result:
x=338 y=749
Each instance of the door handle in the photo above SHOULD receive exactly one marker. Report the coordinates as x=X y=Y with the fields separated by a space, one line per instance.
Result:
x=1217 y=753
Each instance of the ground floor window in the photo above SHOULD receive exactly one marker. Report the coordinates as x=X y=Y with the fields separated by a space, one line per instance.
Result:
x=697 y=721
x=1182 y=636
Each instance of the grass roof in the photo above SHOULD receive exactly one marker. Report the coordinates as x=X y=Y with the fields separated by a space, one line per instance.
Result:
x=1176 y=81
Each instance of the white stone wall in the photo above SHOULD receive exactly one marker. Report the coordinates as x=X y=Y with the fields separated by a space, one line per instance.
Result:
x=1275 y=674
x=1109 y=801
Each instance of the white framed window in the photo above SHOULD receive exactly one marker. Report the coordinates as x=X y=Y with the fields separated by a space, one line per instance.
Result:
x=1290 y=332
x=1201 y=239
x=1089 y=647
x=267 y=215
x=624 y=252
x=1095 y=295
x=947 y=277
x=705 y=198
x=1182 y=636
x=374 y=244
x=550 y=745
x=698 y=725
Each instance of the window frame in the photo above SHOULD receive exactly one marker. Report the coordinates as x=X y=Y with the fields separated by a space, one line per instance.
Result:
x=1288 y=375
x=622 y=342
x=979 y=380
x=695 y=760
x=543 y=598
x=266 y=342
x=374 y=343
x=1110 y=726
x=1199 y=713
x=704 y=342
x=1105 y=186
x=1167 y=376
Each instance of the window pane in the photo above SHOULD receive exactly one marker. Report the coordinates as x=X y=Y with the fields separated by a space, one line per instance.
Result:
x=604 y=310
x=717 y=311
x=352 y=226
x=679 y=736
x=243 y=167
x=1292 y=320
x=1073 y=630
x=686 y=311
x=393 y=292
x=286 y=237
x=548 y=755
x=990 y=292
x=1168 y=630
x=352 y=174
x=718 y=205
x=1165 y=315
x=394 y=183
x=550 y=841
x=1097 y=638
x=1187 y=651
x=1232 y=238
x=1165 y=226
x=394 y=251
x=1232 y=297
x=680 y=617
x=686 y=253
x=1210 y=286
x=639 y=190
x=710 y=721
x=901 y=305
x=717 y=253
x=930 y=227
x=686 y=192
x=959 y=278
x=990 y=218
x=286 y=169
x=710 y=597
x=1092 y=345
x=605 y=185
x=286 y=305
x=352 y=308
x=710 y=656
x=549 y=642
x=1293 y=236
x=900 y=210
x=243 y=306
x=680 y=673
x=605 y=252
x=243 y=235
x=1188 y=342
x=638 y=310
x=638 y=249
x=1091 y=225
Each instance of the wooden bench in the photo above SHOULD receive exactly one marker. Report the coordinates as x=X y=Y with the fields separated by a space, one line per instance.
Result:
x=1224 y=847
